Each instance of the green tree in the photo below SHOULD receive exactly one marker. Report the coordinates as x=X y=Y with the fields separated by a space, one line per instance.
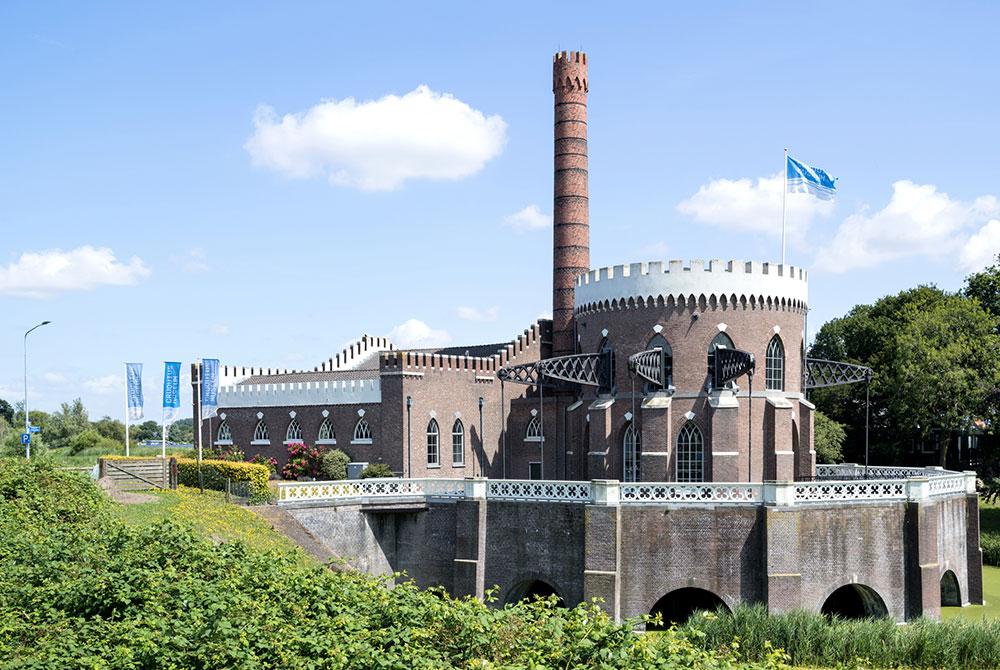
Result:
x=935 y=355
x=829 y=437
x=65 y=424
x=112 y=429
x=6 y=411
x=147 y=430
x=985 y=287
x=182 y=431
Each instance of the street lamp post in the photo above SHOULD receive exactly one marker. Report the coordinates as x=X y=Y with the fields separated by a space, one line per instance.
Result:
x=27 y=422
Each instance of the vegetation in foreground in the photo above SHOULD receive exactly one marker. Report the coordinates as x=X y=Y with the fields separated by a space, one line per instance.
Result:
x=85 y=589
x=814 y=640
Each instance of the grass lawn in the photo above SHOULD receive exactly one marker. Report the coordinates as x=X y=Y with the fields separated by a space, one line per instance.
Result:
x=211 y=516
x=88 y=457
x=991 y=594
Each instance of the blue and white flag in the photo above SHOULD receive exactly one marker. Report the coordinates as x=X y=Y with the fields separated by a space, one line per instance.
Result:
x=133 y=386
x=209 y=387
x=802 y=178
x=171 y=392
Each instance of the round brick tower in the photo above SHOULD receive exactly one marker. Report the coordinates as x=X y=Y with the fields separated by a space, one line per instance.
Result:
x=570 y=209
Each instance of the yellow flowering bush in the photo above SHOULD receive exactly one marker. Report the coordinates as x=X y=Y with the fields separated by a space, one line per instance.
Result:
x=214 y=474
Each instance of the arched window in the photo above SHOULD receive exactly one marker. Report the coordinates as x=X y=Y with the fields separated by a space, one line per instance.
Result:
x=326 y=433
x=668 y=362
x=225 y=434
x=630 y=450
x=534 y=431
x=775 y=365
x=260 y=434
x=721 y=341
x=458 y=443
x=690 y=454
x=294 y=432
x=433 y=451
x=362 y=433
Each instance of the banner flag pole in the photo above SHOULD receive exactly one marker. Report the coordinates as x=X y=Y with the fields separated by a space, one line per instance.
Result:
x=784 y=194
x=126 y=410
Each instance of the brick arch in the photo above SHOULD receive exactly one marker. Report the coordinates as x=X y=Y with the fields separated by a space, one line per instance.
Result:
x=687 y=592
x=527 y=583
x=951 y=589
x=853 y=600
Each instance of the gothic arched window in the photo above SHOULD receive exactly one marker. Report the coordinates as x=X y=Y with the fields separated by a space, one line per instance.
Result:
x=294 y=432
x=775 y=365
x=458 y=443
x=225 y=434
x=533 y=433
x=260 y=434
x=362 y=433
x=630 y=452
x=433 y=443
x=326 y=433
x=690 y=454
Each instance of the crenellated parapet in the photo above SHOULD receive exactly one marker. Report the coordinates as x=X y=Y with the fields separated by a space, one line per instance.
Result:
x=344 y=392
x=421 y=361
x=355 y=353
x=694 y=284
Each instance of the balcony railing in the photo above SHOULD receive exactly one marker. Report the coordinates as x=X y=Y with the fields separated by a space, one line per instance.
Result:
x=834 y=485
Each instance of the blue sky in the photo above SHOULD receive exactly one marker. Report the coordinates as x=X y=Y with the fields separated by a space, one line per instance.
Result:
x=174 y=219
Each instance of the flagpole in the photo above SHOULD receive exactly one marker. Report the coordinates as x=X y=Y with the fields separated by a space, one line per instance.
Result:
x=126 y=409
x=784 y=194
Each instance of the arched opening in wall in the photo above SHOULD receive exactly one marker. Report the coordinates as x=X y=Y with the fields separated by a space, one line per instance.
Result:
x=678 y=606
x=531 y=589
x=855 y=601
x=951 y=595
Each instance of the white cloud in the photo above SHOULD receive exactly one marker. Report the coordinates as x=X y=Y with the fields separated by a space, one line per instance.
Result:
x=54 y=377
x=376 y=145
x=219 y=329
x=472 y=314
x=415 y=334
x=42 y=274
x=528 y=219
x=919 y=220
x=194 y=261
x=104 y=385
x=745 y=205
x=982 y=248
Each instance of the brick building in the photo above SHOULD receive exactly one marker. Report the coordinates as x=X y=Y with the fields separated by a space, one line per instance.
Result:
x=445 y=413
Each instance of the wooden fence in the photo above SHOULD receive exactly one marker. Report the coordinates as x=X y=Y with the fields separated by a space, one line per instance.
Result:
x=140 y=473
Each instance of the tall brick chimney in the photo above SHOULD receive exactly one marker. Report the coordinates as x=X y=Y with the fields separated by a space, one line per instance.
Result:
x=570 y=209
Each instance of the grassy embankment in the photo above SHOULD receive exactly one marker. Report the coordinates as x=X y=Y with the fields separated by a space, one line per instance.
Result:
x=88 y=457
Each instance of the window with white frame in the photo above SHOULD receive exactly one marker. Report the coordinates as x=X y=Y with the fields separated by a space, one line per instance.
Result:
x=774 y=368
x=225 y=434
x=326 y=433
x=533 y=433
x=294 y=433
x=458 y=443
x=690 y=454
x=630 y=453
x=433 y=443
x=362 y=433
x=260 y=435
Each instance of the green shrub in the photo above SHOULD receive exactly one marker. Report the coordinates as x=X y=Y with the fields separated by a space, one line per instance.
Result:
x=373 y=470
x=333 y=465
x=92 y=441
x=990 y=543
x=214 y=474
x=81 y=589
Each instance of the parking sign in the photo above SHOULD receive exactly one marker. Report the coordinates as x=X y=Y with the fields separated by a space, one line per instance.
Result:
x=25 y=438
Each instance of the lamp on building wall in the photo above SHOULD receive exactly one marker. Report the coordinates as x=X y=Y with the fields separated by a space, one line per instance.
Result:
x=409 y=459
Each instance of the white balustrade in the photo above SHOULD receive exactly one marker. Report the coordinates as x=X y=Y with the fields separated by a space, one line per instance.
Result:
x=892 y=484
x=534 y=489
x=639 y=493
x=867 y=489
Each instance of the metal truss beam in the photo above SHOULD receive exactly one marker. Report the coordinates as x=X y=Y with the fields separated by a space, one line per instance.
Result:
x=822 y=373
x=587 y=369
x=649 y=365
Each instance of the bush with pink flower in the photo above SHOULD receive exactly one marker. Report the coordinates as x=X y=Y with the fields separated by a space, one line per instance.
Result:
x=303 y=461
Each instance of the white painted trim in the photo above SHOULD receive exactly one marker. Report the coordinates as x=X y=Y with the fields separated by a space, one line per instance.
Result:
x=653 y=453
x=288 y=442
x=784 y=453
x=725 y=453
x=458 y=465
x=333 y=441
x=225 y=443
x=534 y=439
x=366 y=440
x=259 y=443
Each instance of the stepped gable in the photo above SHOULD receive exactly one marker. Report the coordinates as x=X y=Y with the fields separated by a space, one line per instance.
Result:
x=481 y=358
x=358 y=360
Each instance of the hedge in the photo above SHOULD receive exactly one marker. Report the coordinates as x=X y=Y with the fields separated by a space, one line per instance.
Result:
x=214 y=474
x=990 y=544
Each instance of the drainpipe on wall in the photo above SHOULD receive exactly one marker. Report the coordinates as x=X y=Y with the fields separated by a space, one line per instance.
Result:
x=409 y=456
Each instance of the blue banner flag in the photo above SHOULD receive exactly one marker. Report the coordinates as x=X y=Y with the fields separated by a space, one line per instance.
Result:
x=802 y=178
x=171 y=391
x=209 y=387
x=133 y=390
